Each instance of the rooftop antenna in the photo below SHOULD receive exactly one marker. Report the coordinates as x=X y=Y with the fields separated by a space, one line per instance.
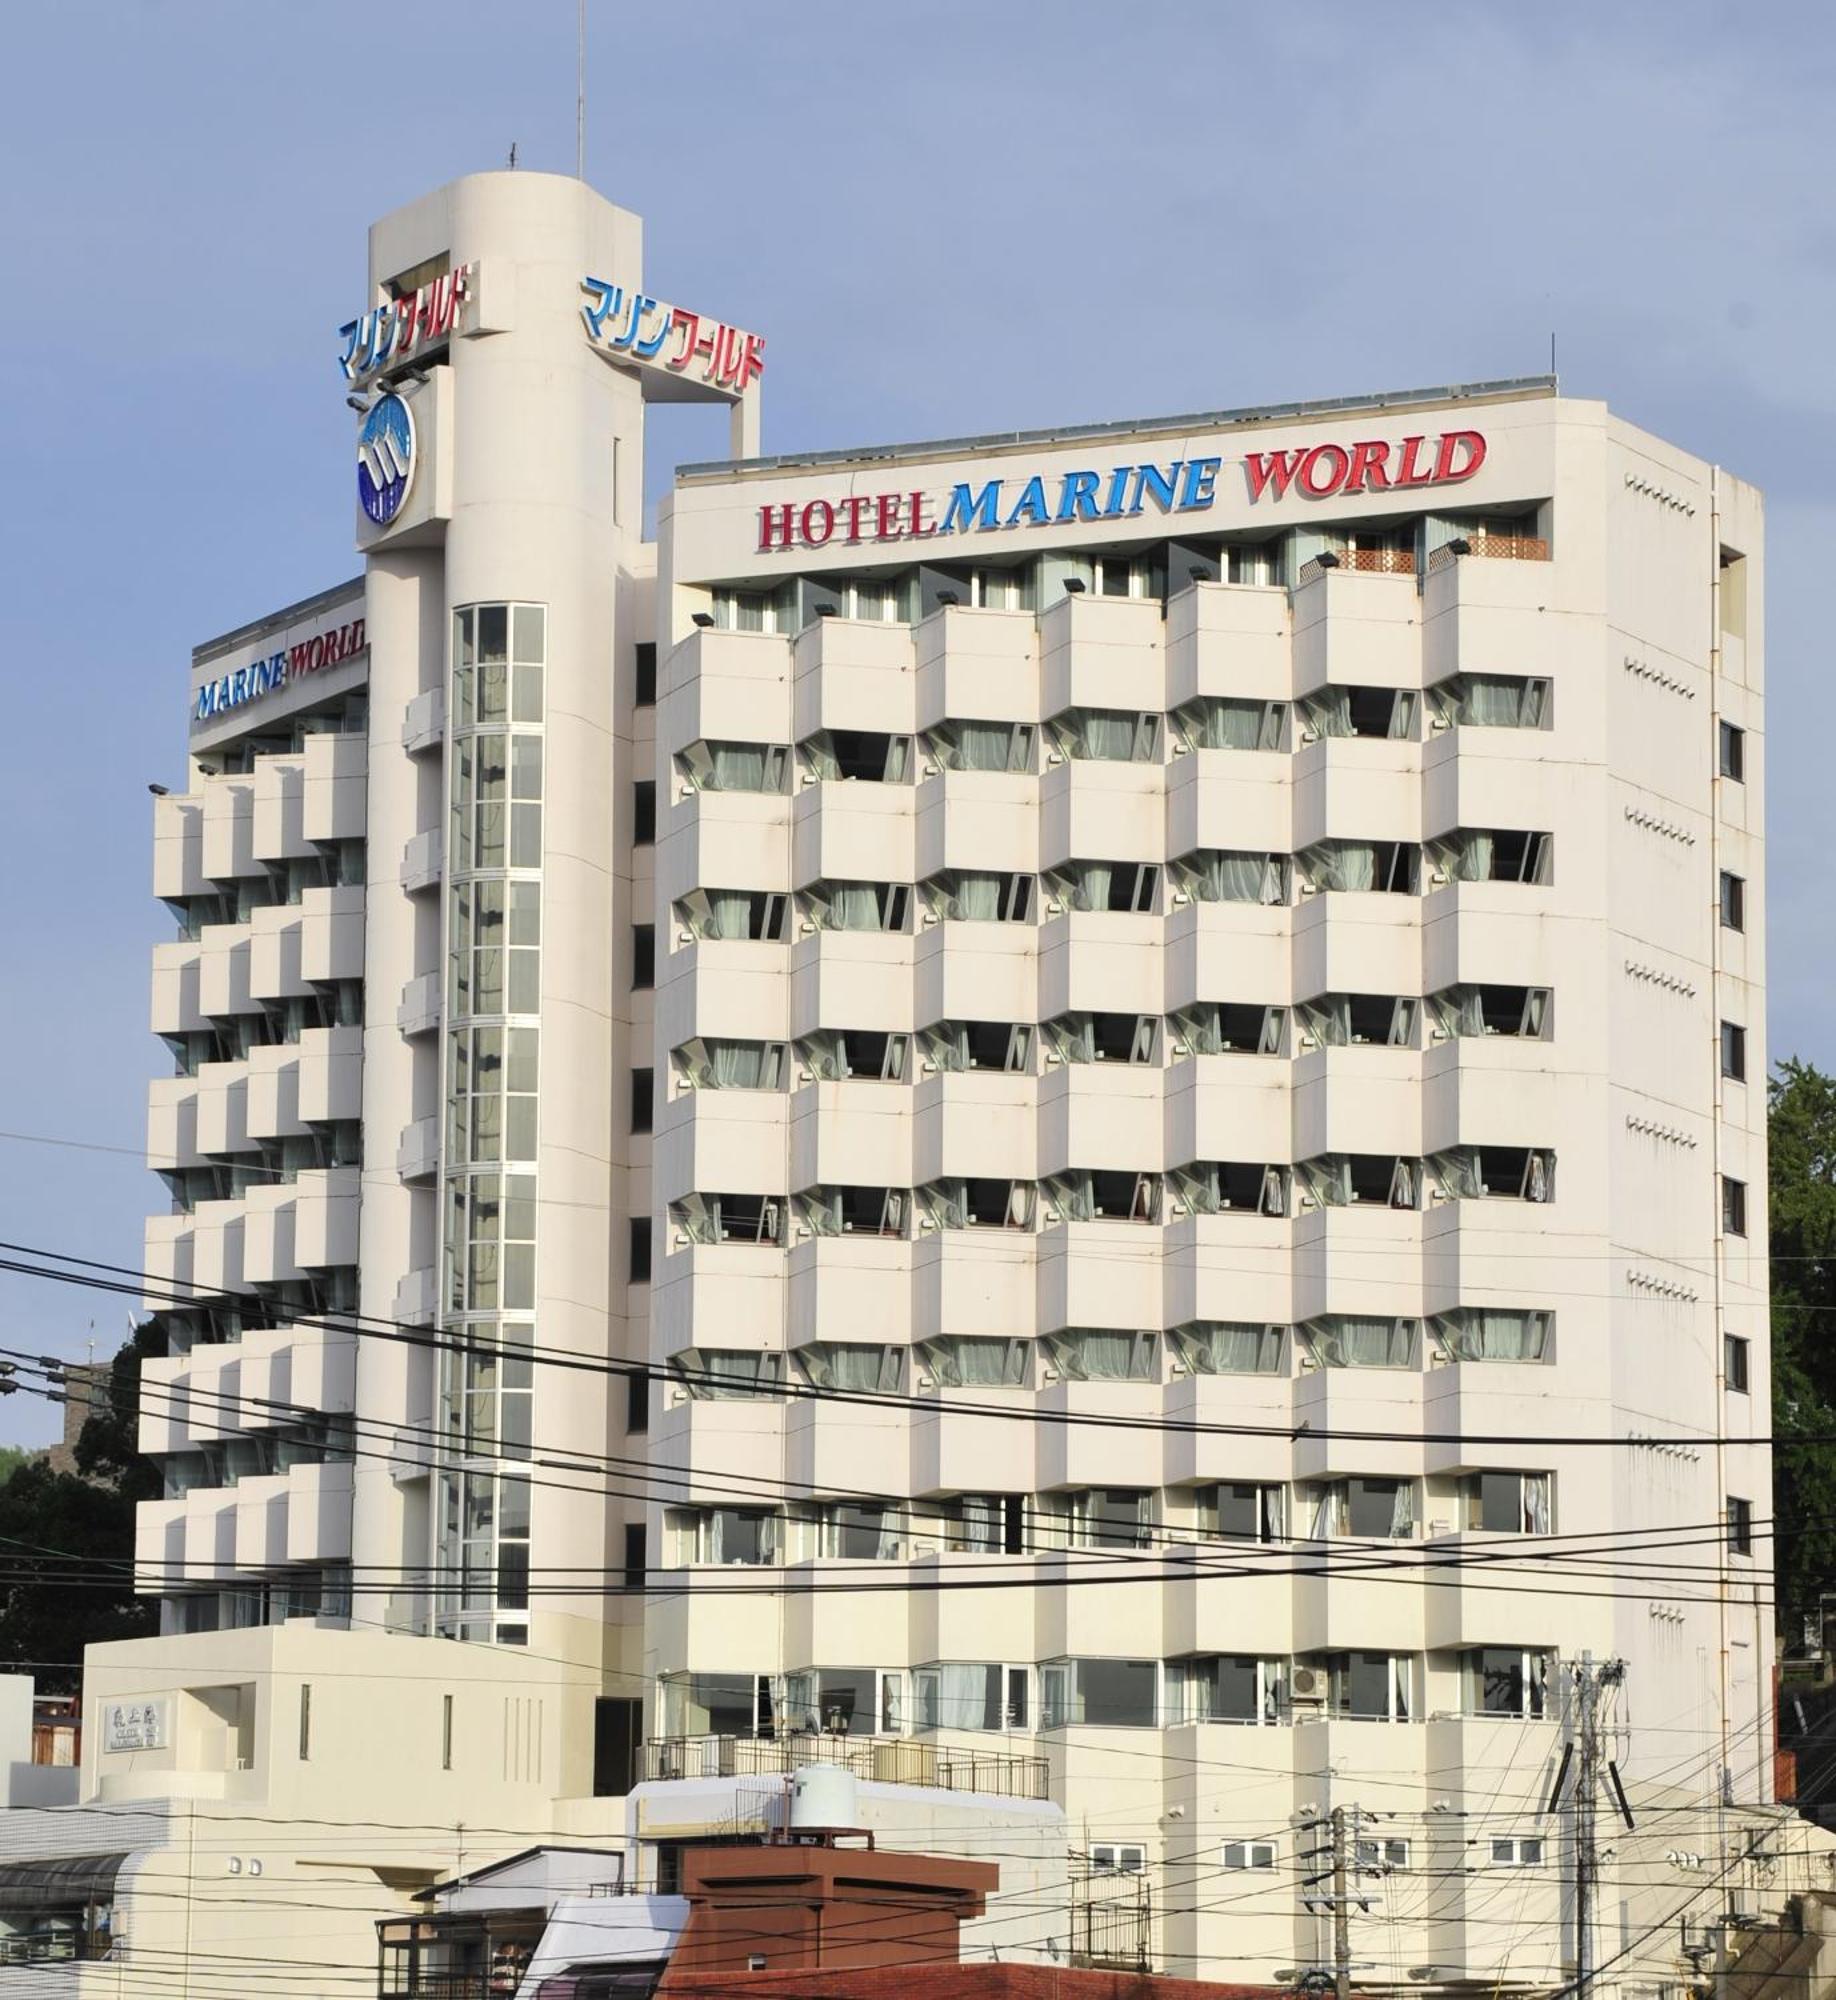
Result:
x=513 y=156
x=580 y=95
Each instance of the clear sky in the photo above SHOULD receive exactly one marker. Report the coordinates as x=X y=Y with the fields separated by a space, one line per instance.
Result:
x=945 y=218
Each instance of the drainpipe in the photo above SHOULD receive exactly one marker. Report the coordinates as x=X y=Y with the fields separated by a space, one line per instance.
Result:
x=1724 y=1579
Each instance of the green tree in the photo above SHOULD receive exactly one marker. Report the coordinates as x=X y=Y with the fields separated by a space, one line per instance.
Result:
x=1801 y=1124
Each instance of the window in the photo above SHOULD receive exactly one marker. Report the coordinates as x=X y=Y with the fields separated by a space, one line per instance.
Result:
x=1734 y=1051
x=1105 y=885
x=1387 y=867
x=643 y=1100
x=988 y=1695
x=645 y=695
x=983 y=1524
x=966 y=895
x=1346 y=1180
x=1002 y=589
x=856 y=906
x=1244 y=1187
x=1230 y=1347
x=859 y=1531
x=846 y=1700
x=1249 y=1854
x=1105 y=1038
x=864 y=1054
x=1492 y=701
x=965 y=1045
x=1362 y=1340
x=979 y=746
x=1344 y=1020
x=729 y=1374
x=750 y=1537
x=756 y=610
x=446 y=1732
x=716 y=1704
x=732 y=913
x=1740 y=1527
x=1494 y=1173
x=1380 y=1856
x=637 y=1402
x=852 y=1211
x=305 y=1721
x=1505 y=1680
x=1357 y=711
x=1508 y=1503
x=638 y=1251
x=1215 y=1028
x=1105 y=735
x=643 y=957
x=721 y=1065
x=1493 y=854
x=1099 y=1517
x=1128 y=576
x=976 y=1204
x=1491 y=1010
x=1377 y=1510
x=1091 y=1354
x=729 y=1218
x=735 y=767
x=857 y=756
x=1232 y=1511
x=637 y=1564
x=1100 y=1694
x=1226 y=1687
x=853 y=1367
x=1231 y=875
x=1733 y=902
x=1735 y=1363
x=1092 y=1195
x=1374 y=1687
x=1733 y=1206
x=1117 y=1857
x=644 y=812
x=1215 y=722
x=1517 y=1850
x=1732 y=747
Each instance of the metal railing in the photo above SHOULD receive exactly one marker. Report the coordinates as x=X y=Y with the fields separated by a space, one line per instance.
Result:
x=887 y=1760
x=1112 y=1920
x=55 y=1948
x=1519 y=548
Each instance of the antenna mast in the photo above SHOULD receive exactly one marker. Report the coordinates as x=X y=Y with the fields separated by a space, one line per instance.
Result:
x=580 y=94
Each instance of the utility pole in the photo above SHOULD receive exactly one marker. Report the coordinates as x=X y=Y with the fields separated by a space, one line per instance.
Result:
x=1583 y=1751
x=1341 y=1911
x=1343 y=1827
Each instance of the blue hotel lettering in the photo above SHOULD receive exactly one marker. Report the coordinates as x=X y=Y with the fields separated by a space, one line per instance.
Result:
x=245 y=684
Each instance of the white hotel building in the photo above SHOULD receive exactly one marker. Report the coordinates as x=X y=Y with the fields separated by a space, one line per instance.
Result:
x=1078 y=1113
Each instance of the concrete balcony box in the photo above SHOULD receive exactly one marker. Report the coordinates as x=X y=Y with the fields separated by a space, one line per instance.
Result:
x=159 y=1543
x=974 y=1281
x=853 y=831
x=1227 y=951
x=850 y=1134
x=842 y=1445
x=1459 y=1614
x=1102 y=652
x=271 y=1236
x=1510 y=777
x=979 y=1124
x=331 y=1074
x=1101 y=1115
x=1483 y=616
x=280 y=809
x=977 y=666
x=423 y=722
x=1356 y=788
x=846 y=1623
x=169 y=1254
x=1228 y=639
x=725 y=840
x=852 y=673
x=172 y=1122
x=725 y=687
x=959 y=1622
x=976 y=972
x=1359 y=1401
x=1357 y=628
x=1226 y=1107
x=722 y=1445
x=223 y=1108
x=178 y=847
x=229 y=829
x=1100 y=961
x=164 y=1410
x=984 y=820
x=744 y=986
x=1494 y=1092
x=704 y=1628
x=419 y=1011
x=326 y=1229
x=1119 y=1445
x=1349 y=942
x=274 y=1092
x=336 y=774
x=217 y=1244
x=1357 y=1099
x=1097 y=811
x=417 y=1297
x=1369 y=1612
x=264 y=1378
x=261 y=1522
x=322 y=1368
x=417 y=1153
x=849 y=1288
x=1227 y=1427
x=209 y=1534
x=1240 y=801
x=1360 y=1258
x=1099 y=1274
x=1513 y=1399
x=1500 y=934
x=851 y=979
x=1239 y=1598
x=1234 y=1266
x=723 y=1142
x=319 y=1513
x=421 y=861
x=332 y=937
x=274 y=954
x=956 y=1450
x=734 y=1288
x=223 y=971
x=1099 y=1611
x=176 y=999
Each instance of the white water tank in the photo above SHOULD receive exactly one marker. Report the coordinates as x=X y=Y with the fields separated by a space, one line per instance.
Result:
x=822 y=1795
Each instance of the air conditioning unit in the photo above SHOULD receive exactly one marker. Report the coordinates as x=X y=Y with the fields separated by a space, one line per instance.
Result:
x=1307 y=1687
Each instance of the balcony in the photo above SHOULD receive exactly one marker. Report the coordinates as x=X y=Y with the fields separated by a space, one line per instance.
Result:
x=894 y=1760
x=421 y=861
x=336 y=767
x=424 y=721
x=417 y=1156
x=419 y=1011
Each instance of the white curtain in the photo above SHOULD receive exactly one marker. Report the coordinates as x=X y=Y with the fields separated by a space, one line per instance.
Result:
x=1402 y=714
x=1219 y=724
x=1092 y=1354
x=1341 y=864
x=1401 y=1677
x=819 y=756
x=1217 y=875
x=980 y=746
x=1402 y=1512
x=820 y=1211
x=845 y=906
x=1467 y=857
x=1073 y=1038
x=1328 y=713
x=1536 y=1503
x=947 y=1045
x=729 y=913
x=1328 y=1019
x=980 y=1532
x=1229 y=1347
x=1328 y=1180
x=1348 y=1340
x=1459 y=1010
x=1107 y=734
x=1090 y=884
x=849 y=1365
x=975 y=899
x=735 y=1065
x=729 y=767
x=1458 y=1173
x=1478 y=1333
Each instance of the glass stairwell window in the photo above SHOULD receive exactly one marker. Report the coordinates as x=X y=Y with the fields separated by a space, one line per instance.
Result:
x=1358 y=711
x=1095 y=1195
x=852 y=1367
x=862 y=756
x=1228 y=875
x=1220 y=1187
x=965 y=1203
x=709 y=1064
x=1227 y=1687
x=1491 y=1010
x=729 y=1218
x=974 y=896
x=1217 y=722
x=979 y=746
x=1102 y=1354
x=855 y=906
x=1105 y=736
x=1495 y=1333
x=735 y=767
x=1345 y=1020
x=975 y=1361
x=965 y=1045
x=853 y=1211
x=732 y=913
x=1492 y=854
x=1230 y=1347
x=1103 y=885
x=1346 y=1180
x=728 y=1374
x=1224 y=1027
x=1385 y=867
x=1362 y=1340
x=1494 y=1173
x=1490 y=701
x=1103 y=1038
x=835 y=1055
x=1506 y=1503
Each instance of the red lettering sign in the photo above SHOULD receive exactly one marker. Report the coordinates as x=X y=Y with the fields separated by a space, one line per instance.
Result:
x=1321 y=471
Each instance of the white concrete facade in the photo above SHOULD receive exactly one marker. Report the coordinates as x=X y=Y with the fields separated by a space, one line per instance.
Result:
x=1206 y=1057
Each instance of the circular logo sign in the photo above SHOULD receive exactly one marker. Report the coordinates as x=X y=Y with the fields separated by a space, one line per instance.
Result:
x=385 y=459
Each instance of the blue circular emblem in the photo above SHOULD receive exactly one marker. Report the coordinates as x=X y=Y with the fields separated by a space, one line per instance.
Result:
x=385 y=459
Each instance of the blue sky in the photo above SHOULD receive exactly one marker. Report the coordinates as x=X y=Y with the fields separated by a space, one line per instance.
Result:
x=945 y=219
